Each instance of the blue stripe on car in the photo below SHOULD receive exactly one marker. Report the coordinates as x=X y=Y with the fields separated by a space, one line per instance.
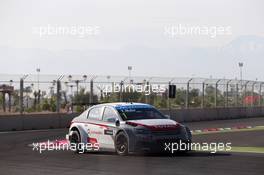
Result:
x=126 y=107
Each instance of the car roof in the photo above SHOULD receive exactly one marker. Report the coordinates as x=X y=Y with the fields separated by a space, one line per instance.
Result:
x=126 y=104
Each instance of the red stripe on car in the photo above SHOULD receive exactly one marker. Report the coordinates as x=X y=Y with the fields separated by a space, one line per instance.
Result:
x=102 y=125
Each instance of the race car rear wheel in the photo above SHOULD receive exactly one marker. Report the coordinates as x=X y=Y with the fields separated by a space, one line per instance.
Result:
x=121 y=144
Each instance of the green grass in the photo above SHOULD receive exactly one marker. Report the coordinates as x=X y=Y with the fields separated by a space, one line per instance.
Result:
x=248 y=149
x=259 y=150
x=259 y=128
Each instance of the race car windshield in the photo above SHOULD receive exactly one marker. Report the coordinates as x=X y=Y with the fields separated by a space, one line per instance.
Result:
x=140 y=114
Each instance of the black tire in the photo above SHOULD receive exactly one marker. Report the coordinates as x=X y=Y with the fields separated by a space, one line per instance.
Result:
x=75 y=139
x=121 y=144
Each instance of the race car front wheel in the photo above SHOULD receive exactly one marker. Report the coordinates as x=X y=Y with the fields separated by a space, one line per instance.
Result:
x=121 y=144
x=76 y=140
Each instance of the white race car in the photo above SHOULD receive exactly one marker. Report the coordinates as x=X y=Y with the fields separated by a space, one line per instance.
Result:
x=126 y=128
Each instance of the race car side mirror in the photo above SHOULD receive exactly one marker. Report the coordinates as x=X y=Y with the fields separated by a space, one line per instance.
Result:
x=117 y=122
x=167 y=116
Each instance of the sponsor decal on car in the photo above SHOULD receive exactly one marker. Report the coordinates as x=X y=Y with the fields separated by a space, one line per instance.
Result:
x=108 y=132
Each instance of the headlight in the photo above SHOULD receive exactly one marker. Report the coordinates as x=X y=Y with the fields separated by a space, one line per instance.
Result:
x=142 y=131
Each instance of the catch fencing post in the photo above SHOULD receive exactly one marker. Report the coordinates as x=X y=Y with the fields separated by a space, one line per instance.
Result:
x=187 y=94
x=58 y=105
x=202 y=103
x=58 y=102
x=252 y=94
x=237 y=95
x=216 y=86
x=91 y=91
x=121 y=91
x=227 y=88
x=168 y=98
x=245 y=92
x=21 y=96
x=260 y=95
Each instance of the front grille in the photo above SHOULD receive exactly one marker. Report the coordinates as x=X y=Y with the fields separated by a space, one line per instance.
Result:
x=164 y=133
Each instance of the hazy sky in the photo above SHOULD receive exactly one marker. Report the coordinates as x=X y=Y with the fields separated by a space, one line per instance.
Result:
x=132 y=32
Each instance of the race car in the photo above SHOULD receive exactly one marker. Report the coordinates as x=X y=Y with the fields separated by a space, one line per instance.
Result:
x=126 y=128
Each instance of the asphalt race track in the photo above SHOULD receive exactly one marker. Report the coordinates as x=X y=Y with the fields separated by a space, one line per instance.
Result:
x=17 y=157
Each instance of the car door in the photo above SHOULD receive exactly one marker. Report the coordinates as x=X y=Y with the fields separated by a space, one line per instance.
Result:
x=93 y=125
x=109 y=118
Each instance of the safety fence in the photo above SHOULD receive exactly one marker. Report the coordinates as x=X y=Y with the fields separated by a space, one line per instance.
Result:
x=74 y=93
